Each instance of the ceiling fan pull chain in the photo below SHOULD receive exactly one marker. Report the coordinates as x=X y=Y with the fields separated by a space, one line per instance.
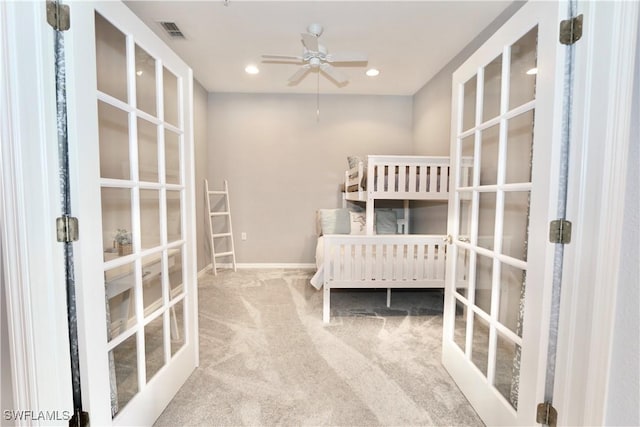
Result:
x=318 y=99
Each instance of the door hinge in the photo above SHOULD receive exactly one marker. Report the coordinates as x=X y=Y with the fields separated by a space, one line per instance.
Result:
x=560 y=231
x=58 y=15
x=67 y=229
x=571 y=30
x=546 y=414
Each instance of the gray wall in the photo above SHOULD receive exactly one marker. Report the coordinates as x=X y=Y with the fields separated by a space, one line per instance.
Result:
x=624 y=377
x=201 y=167
x=432 y=123
x=282 y=164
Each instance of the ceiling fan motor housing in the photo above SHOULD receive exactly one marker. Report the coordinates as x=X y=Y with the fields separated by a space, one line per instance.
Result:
x=315 y=29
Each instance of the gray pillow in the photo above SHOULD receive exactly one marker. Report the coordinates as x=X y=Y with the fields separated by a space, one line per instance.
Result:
x=335 y=221
x=353 y=163
x=386 y=221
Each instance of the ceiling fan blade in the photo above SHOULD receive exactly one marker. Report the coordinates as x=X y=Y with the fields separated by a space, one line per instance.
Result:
x=334 y=74
x=298 y=75
x=310 y=41
x=291 y=57
x=347 y=57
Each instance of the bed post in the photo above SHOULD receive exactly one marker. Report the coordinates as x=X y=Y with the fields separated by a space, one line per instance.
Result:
x=326 y=291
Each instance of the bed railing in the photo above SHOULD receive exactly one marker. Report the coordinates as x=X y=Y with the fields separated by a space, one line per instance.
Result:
x=382 y=261
x=401 y=178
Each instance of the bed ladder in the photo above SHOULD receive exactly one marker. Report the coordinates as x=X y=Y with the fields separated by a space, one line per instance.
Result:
x=225 y=233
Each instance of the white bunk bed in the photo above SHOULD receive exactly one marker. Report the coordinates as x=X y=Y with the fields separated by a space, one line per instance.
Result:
x=390 y=260
x=396 y=178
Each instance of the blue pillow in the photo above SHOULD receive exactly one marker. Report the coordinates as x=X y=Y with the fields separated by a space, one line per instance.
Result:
x=386 y=221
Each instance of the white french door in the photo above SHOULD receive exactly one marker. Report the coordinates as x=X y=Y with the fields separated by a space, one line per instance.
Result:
x=507 y=99
x=130 y=149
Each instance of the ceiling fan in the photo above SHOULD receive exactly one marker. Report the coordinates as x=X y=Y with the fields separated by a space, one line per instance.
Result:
x=316 y=57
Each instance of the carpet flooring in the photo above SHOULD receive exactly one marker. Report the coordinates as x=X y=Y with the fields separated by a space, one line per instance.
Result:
x=267 y=359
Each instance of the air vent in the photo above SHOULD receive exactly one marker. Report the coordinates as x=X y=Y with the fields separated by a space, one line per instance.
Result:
x=172 y=29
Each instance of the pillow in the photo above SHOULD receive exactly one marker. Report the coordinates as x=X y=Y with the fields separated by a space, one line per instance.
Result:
x=386 y=221
x=334 y=221
x=353 y=164
x=358 y=222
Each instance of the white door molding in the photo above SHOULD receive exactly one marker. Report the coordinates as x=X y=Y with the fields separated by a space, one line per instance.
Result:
x=598 y=176
x=32 y=259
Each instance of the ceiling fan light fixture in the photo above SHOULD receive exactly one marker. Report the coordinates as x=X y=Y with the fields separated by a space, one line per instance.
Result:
x=372 y=72
x=251 y=69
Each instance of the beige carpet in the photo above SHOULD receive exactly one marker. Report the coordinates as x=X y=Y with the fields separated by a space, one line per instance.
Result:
x=267 y=359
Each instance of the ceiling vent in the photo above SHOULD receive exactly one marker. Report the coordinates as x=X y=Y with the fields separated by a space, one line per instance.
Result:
x=172 y=29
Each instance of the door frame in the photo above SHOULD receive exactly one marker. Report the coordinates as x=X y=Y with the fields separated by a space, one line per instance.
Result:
x=32 y=259
x=603 y=88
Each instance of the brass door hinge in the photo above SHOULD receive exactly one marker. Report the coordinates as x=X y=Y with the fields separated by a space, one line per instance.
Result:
x=560 y=231
x=58 y=15
x=571 y=30
x=67 y=229
x=546 y=414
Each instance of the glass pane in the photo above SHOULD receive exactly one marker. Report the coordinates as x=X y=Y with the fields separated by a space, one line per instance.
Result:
x=174 y=223
x=172 y=157
x=492 y=82
x=469 y=107
x=177 y=326
x=516 y=222
x=486 y=219
x=464 y=230
x=149 y=218
x=175 y=273
x=523 y=69
x=460 y=325
x=154 y=346
x=480 y=344
x=519 y=148
x=119 y=285
x=113 y=136
x=125 y=367
x=170 y=83
x=466 y=162
x=507 y=370
x=152 y=283
x=111 y=59
x=145 y=81
x=462 y=272
x=484 y=273
x=489 y=156
x=116 y=222
x=147 y=151
x=512 y=289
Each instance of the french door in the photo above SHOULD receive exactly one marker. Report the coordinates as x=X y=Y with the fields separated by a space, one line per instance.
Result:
x=130 y=148
x=505 y=134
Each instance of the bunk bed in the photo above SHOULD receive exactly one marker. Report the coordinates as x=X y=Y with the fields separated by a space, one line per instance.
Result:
x=375 y=260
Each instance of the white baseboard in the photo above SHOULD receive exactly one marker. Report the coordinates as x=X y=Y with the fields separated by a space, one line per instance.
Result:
x=205 y=270
x=269 y=265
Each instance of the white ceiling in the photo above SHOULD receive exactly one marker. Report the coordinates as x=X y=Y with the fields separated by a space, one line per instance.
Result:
x=408 y=41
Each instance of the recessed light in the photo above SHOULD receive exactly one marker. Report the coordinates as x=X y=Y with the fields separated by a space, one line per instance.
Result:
x=532 y=71
x=139 y=72
x=251 y=69
x=372 y=72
